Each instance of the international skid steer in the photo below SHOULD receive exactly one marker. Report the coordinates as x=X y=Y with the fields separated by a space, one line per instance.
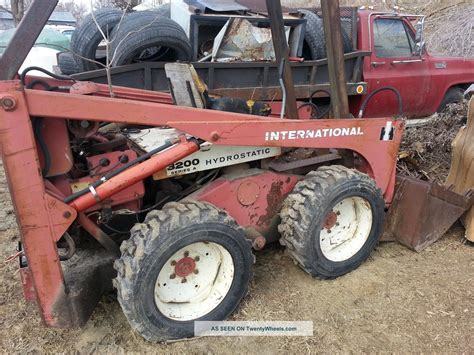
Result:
x=168 y=201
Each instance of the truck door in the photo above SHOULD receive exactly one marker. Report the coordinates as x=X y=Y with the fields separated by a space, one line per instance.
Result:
x=393 y=63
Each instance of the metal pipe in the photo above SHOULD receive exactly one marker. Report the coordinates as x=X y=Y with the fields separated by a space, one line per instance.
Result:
x=283 y=88
x=134 y=174
x=25 y=37
x=282 y=54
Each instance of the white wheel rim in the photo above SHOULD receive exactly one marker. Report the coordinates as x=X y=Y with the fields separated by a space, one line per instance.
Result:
x=194 y=281
x=346 y=229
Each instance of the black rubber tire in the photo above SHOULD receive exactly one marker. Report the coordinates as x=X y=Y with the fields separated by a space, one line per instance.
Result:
x=314 y=40
x=454 y=95
x=306 y=208
x=144 y=30
x=67 y=64
x=153 y=242
x=87 y=37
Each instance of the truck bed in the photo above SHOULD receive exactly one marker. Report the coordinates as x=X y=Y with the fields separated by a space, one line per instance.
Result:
x=256 y=80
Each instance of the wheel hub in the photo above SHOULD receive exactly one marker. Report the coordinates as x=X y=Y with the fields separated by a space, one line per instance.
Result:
x=331 y=220
x=185 y=267
x=194 y=281
x=346 y=229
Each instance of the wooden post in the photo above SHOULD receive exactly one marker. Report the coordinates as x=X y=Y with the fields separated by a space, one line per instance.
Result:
x=335 y=54
x=461 y=173
x=282 y=53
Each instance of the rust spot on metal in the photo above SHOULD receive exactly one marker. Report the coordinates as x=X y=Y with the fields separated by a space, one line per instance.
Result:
x=274 y=200
x=330 y=220
x=185 y=266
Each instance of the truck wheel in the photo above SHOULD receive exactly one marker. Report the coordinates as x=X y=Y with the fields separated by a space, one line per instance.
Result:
x=67 y=63
x=189 y=261
x=453 y=95
x=87 y=37
x=314 y=40
x=332 y=221
x=146 y=36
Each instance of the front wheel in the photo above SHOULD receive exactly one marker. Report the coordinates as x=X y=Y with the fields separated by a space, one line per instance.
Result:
x=332 y=221
x=187 y=262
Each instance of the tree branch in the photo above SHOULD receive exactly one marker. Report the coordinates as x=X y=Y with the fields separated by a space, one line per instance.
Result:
x=6 y=10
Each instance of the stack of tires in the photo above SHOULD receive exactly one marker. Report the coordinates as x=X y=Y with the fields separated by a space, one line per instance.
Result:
x=135 y=37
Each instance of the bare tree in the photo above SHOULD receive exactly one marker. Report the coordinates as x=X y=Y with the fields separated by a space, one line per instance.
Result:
x=120 y=4
x=78 y=10
x=17 y=9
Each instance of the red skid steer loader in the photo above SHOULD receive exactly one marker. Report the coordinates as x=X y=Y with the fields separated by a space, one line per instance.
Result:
x=168 y=201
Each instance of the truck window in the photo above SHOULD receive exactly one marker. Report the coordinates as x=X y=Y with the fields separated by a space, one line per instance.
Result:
x=392 y=39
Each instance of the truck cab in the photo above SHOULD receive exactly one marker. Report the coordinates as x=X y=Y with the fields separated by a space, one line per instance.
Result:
x=426 y=82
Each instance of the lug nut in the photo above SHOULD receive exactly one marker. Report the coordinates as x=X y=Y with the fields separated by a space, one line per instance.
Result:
x=173 y=263
x=183 y=281
x=338 y=213
x=196 y=271
x=329 y=231
x=197 y=258
x=186 y=254
x=172 y=276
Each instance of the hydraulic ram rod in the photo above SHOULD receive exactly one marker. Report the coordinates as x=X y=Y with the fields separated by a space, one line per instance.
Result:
x=135 y=174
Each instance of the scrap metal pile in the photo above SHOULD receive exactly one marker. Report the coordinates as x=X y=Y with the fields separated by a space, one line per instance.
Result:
x=426 y=150
x=196 y=31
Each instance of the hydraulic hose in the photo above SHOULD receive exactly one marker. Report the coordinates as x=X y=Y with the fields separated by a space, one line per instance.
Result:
x=54 y=76
x=37 y=129
x=325 y=112
x=372 y=94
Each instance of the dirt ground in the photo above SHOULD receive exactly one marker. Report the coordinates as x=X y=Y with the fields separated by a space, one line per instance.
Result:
x=398 y=301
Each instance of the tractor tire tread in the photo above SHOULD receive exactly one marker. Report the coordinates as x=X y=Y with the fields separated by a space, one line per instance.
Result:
x=296 y=213
x=158 y=222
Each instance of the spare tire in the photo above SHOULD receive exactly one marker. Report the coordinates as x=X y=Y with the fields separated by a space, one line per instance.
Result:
x=147 y=36
x=67 y=63
x=314 y=41
x=87 y=37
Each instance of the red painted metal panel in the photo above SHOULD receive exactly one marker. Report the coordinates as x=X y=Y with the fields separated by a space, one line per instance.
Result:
x=254 y=201
x=28 y=285
x=228 y=128
x=42 y=219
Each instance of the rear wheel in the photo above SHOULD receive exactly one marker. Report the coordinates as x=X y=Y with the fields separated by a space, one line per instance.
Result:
x=189 y=261
x=332 y=221
x=454 y=95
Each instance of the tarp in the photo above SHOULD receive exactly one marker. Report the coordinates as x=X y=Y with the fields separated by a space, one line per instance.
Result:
x=48 y=38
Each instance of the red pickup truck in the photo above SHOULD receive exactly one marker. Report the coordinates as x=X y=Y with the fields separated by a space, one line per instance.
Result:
x=390 y=52
x=426 y=82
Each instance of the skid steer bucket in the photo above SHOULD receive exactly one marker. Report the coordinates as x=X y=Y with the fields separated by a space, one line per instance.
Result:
x=422 y=212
